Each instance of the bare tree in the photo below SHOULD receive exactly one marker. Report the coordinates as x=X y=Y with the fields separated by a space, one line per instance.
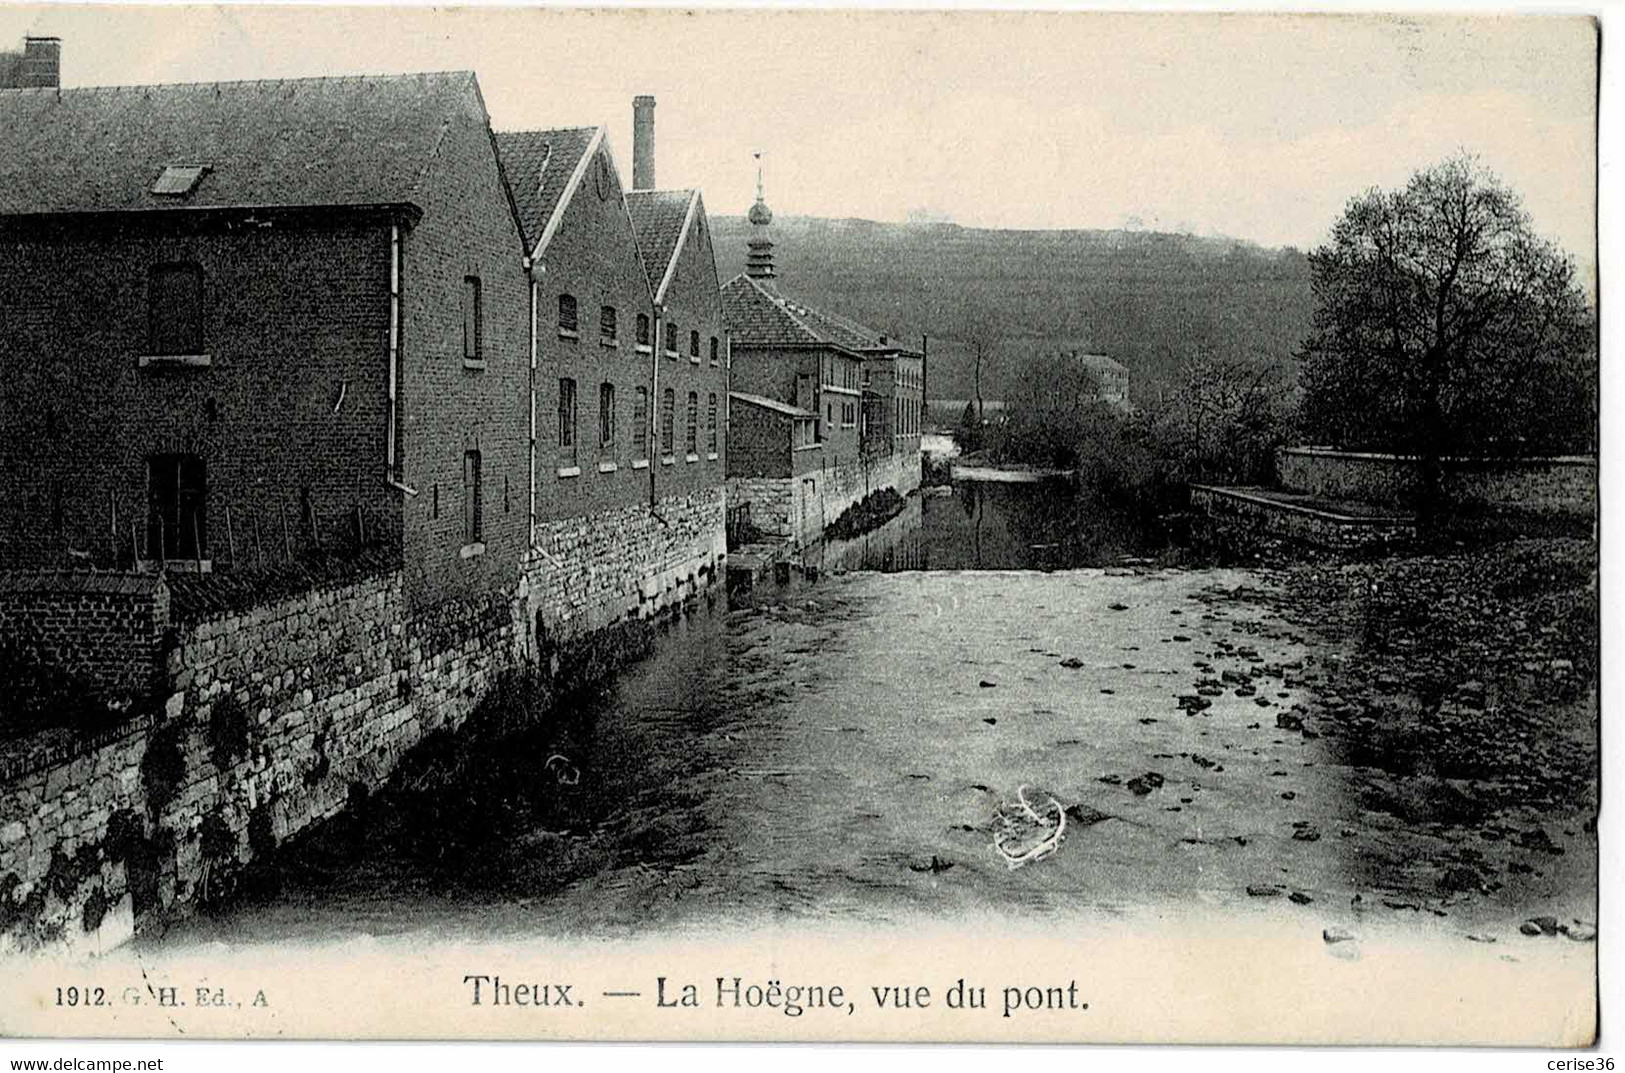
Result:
x=1226 y=417
x=1439 y=316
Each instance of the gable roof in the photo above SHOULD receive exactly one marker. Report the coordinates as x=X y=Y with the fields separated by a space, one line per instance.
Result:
x=661 y=220
x=757 y=313
x=544 y=167
x=286 y=143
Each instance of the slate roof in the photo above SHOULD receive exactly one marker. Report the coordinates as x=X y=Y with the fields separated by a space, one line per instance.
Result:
x=759 y=314
x=771 y=404
x=278 y=143
x=539 y=164
x=657 y=219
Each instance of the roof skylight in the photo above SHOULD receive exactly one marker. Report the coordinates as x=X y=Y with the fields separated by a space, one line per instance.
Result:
x=178 y=180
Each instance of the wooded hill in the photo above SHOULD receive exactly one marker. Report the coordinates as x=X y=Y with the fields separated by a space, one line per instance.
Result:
x=1148 y=299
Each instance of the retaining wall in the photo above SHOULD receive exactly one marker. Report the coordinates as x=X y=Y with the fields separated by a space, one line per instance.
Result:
x=272 y=718
x=803 y=506
x=586 y=573
x=1260 y=515
x=1559 y=485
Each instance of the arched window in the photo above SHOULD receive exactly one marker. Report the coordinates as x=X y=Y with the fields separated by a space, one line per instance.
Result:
x=693 y=344
x=714 y=350
x=692 y=444
x=643 y=329
x=567 y=314
x=671 y=339
x=606 y=324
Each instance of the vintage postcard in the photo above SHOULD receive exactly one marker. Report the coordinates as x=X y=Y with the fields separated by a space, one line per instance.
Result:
x=821 y=525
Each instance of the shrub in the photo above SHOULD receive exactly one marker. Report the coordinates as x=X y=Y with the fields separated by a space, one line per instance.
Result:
x=163 y=766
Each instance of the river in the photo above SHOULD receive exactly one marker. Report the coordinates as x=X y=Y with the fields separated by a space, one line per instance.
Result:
x=840 y=750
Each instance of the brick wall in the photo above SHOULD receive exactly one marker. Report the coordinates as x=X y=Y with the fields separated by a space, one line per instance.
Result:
x=105 y=631
x=449 y=407
x=773 y=372
x=295 y=317
x=1565 y=485
x=327 y=689
x=761 y=442
x=593 y=257
x=694 y=303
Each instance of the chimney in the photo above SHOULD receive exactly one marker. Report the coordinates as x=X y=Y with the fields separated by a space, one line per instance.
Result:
x=42 y=63
x=643 y=142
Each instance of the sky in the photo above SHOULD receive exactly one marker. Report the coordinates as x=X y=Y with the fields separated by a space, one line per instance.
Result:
x=1258 y=127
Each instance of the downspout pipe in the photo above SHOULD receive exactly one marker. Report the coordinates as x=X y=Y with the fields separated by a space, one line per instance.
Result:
x=530 y=533
x=655 y=406
x=392 y=470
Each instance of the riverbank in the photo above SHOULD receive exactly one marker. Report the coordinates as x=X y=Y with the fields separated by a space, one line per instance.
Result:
x=1462 y=689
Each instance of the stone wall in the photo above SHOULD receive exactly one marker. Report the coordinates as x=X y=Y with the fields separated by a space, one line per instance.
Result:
x=272 y=719
x=589 y=572
x=103 y=630
x=1562 y=485
x=772 y=502
x=1235 y=510
x=802 y=507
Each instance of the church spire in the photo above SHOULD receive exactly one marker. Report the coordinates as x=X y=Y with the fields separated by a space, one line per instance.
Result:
x=759 y=264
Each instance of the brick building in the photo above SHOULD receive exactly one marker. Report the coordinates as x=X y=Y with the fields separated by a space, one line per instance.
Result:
x=37 y=65
x=249 y=320
x=628 y=363
x=250 y=328
x=863 y=391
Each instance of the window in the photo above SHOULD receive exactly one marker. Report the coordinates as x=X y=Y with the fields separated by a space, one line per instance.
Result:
x=667 y=404
x=643 y=329
x=175 y=309
x=692 y=444
x=640 y=423
x=606 y=324
x=567 y=414
x=671 y=340
x=473 y=320
x=711 y=423
x=714 y=350
x=606 y=415
x=693 y=344
x=177 y=500
x=473 y=499
x=567 y=314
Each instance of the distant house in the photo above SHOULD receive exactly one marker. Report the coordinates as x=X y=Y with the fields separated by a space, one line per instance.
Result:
x=1110 y=376
x=862 y=391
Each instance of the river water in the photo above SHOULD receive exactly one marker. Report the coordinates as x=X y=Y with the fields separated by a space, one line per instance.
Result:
x=840 y=750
